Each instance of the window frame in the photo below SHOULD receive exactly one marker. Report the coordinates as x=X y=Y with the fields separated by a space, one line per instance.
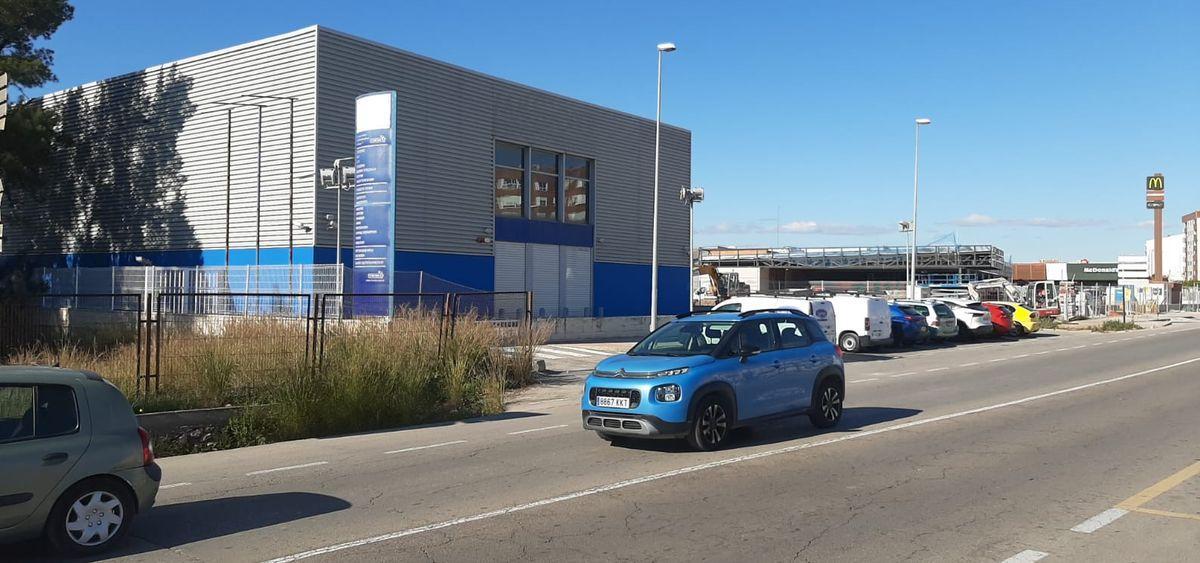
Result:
x=37 y=387
x=560 y=189
x=800 y=325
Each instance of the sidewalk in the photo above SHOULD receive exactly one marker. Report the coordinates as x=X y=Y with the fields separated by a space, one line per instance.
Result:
x=1144 y=320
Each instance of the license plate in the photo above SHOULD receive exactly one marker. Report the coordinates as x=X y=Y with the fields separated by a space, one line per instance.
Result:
x=613 y=402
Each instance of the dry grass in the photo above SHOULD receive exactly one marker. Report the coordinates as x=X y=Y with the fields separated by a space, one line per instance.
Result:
x=373 y=374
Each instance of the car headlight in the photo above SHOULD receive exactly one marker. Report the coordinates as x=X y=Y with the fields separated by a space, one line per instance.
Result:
x=667 y=393
x=670 y=372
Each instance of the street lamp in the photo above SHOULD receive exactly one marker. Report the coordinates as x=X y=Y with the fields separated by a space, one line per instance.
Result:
x=340 y=178
x=690 y=197
x=662 y=48
x=912 y=276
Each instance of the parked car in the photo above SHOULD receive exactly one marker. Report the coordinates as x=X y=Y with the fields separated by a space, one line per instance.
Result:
x=1025 y=320
x=819 y=309
x=862 y=321
x=974 y=320
x=703 y=375
x=76 y=466
x=1002 y=321
x=908 y=326
x=941 y=320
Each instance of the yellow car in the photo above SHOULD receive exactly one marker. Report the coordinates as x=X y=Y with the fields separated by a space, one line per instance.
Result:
x=1025 y=320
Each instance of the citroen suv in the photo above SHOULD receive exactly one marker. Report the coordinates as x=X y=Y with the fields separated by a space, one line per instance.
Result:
x=701 y=376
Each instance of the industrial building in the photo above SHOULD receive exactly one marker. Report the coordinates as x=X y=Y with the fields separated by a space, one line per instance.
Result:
x=868 y=269
x=214 y=161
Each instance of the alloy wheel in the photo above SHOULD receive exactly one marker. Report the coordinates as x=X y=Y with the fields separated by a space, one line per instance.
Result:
x=714 y=425
x=831 y=404
x=94 y=518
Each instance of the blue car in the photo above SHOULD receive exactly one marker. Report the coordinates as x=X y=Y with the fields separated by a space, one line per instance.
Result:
x=701 y=376
x=908 y=326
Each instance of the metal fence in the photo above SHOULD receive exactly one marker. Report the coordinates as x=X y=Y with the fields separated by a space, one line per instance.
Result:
x=229 y=339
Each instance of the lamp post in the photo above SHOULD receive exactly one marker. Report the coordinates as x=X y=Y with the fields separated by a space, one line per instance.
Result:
x=340 y=178
x=690 y=197
x=662 y=48
x=912 y=276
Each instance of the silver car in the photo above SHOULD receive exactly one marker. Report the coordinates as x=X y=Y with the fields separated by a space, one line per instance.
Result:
x=76 y=467
x=942 y=323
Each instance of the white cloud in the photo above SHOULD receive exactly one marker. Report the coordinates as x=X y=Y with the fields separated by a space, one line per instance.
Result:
x=981 y=220
x=792 y=227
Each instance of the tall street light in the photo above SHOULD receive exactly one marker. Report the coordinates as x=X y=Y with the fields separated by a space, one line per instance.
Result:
x=912 y=276
x=662 y=48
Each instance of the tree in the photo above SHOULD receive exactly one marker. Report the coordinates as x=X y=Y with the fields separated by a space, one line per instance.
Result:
x=31 y=134
x=22 y=22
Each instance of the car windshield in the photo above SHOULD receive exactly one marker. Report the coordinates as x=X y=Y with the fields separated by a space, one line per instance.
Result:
x=977 y=306
x=687 y=338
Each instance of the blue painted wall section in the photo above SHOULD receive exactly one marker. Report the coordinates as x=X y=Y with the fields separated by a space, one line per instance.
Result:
x=623 y=290
x=477 y=272
x=511 y=229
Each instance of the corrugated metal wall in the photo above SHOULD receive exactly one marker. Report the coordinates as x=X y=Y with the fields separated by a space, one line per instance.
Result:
x=447 y=120
x=147 y=169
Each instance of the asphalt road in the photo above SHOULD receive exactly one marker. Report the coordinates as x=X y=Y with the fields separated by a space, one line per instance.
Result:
x=983 y=451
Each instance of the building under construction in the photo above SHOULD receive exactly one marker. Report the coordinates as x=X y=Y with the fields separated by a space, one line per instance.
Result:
x=873 y=269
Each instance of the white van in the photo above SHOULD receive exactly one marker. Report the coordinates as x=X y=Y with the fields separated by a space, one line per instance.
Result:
x=862 y=321
x=819 y=309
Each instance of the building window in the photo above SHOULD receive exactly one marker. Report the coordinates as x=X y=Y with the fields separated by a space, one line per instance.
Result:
x=578 y=177
x=510 y=180
x=544 y=180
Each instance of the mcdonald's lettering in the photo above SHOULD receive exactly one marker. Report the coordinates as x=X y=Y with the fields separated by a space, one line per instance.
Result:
x=1155 y=183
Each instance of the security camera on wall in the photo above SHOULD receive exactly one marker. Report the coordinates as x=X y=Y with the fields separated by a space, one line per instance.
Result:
x=328 y=179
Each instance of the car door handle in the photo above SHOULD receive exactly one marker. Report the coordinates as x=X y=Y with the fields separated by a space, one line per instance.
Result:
x=54 y=458
x=814 y=359
x=776 y=364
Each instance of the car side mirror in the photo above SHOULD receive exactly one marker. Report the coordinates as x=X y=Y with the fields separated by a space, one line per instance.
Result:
x=748 y=351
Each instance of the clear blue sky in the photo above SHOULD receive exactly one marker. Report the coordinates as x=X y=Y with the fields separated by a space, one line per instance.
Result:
x=1047 y=116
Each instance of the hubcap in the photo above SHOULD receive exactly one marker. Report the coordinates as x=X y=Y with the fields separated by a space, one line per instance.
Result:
x=94 y=518
x=713 y=424
x=831 y=404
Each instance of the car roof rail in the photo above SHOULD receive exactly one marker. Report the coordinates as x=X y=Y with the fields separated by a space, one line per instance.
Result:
x=745 y=314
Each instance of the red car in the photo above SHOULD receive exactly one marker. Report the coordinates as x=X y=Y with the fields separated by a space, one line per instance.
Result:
x=1002 y=321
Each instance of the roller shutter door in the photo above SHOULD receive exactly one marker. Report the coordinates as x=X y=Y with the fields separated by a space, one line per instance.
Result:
x=510 y=266
x=542 y=278
x=577 y=281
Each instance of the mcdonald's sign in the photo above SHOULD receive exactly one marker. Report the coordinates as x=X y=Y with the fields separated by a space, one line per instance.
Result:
x=1155 y=183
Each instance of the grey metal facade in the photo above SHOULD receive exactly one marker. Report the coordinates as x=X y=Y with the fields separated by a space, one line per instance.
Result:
x=166 y=191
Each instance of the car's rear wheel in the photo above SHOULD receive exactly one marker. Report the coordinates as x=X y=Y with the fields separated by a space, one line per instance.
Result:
x=89 y=518
x=827 y=406
x=1018 y=329
x=849 y=342
x=711 y=424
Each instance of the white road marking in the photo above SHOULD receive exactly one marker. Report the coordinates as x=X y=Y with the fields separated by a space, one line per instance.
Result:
x=173 y=485
x=937 y=369
x=1100 y=520
x=546 y=402
x=1027 y=556
x=1040 y=353
x=710 y=465
x=1099 y=344
x=903 y=374
x=584 y=350
x=1021 y=356
x=415 y=448
x=537 y=429
x=1080 y=346
x=545 y=356
x=876 y=373
x=994 y=360
x=288 y=468
x=864 y=380
x=1062 y=349
x=561 y=352
x=968 y=364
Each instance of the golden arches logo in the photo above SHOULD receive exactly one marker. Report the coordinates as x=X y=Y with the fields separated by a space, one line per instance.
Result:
x=1155 y=183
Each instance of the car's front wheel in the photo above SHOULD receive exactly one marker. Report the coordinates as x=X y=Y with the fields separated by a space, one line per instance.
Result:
x=89 y=518
x=827 y=408
x=711 y=425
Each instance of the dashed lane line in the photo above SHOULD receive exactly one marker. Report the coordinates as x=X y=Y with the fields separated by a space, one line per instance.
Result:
x=968 y=364
x=936 y=369
x=902 y=374
x=864 y=380
x=288 y=468
x=173 y=485
x=416 y=448
x=537 y=429
x=712 y=465
x=1027 y=556
x=1100 y=520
